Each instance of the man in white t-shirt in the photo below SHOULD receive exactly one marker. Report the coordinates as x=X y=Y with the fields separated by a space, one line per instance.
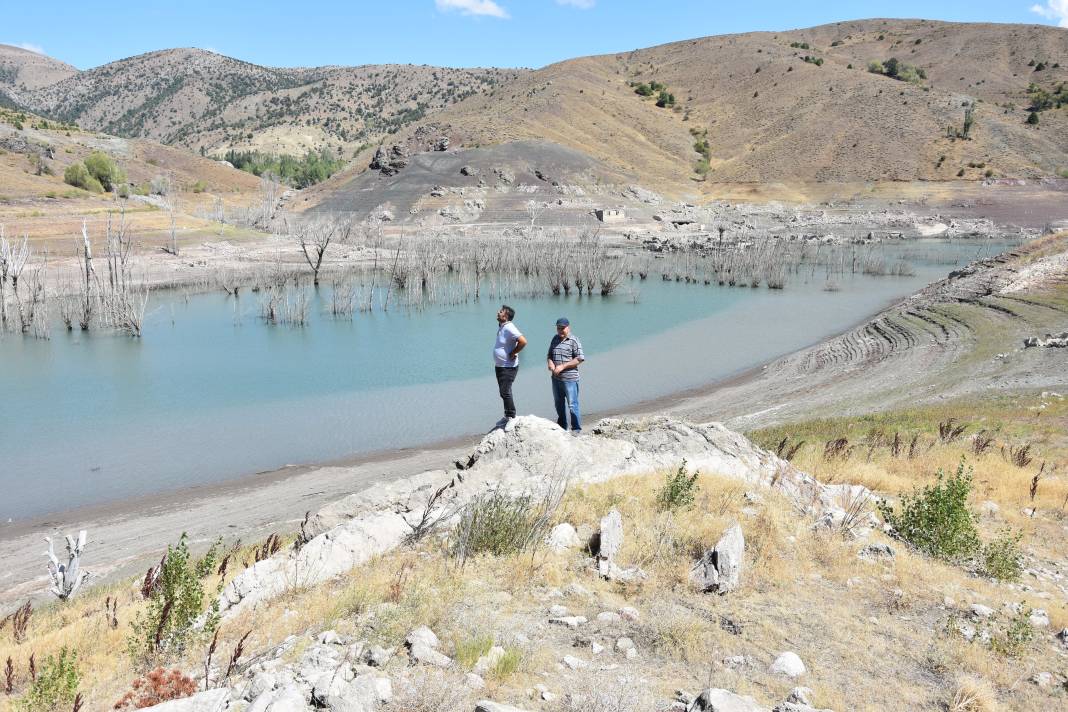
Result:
x=506 y=358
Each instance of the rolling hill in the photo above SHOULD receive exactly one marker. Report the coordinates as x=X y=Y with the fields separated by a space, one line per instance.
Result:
x=798 y=106
x=209 y=103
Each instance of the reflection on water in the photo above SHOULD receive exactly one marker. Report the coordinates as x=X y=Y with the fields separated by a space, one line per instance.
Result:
x=211 y=392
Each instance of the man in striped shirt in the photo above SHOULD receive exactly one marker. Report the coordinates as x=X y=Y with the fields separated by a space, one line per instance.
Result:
x=565 y=355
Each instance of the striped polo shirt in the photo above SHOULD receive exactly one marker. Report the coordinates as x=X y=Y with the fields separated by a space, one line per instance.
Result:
x=562 y=351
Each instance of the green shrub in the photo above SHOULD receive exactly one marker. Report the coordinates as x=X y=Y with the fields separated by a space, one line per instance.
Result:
x=78 y=176
x=176 y=601
x=122 y=190
x=1001 y=558
x=1063 y=173
x=1032 y=118
x=103 y=168
x=1017 y=635
x=499 y=524
x=875 y=67
x=507 y=664
x=200 y=186
x=679 y=490
x=55 y=686
x=937 y=520
x=469 y=650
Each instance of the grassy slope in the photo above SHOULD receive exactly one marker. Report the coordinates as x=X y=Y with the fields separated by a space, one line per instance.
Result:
x=50 y=212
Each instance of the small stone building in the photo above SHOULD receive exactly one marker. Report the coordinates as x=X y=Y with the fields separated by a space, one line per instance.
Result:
x=611 y=215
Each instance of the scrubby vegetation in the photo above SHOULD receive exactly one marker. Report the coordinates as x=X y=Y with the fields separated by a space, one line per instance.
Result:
x=664 y=98
x=97 y=174
x=896 y=69
x=1045 y=99
x=314 y=167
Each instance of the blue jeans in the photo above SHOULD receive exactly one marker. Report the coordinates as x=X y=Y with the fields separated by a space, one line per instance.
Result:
x=566 y=391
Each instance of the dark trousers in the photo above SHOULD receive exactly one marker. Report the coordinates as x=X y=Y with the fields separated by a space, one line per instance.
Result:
x=505 y=378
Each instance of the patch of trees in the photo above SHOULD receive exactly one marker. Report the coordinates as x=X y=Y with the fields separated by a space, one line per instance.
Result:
x=818 y=61
x=701 y=145
x=896 y=69
x=314 y=167
x=664 y=98
x=800 y=45
x=1042 y=99
x=97 y=174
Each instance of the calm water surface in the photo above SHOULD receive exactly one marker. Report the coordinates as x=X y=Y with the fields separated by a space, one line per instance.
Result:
x=211 y=392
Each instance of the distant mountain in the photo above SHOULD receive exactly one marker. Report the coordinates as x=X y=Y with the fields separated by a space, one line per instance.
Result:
x=796 y=106
x=23 y=71
x=793 y=107
x=206 y=101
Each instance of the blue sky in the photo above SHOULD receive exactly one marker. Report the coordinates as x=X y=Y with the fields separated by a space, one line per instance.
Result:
x=530 y=33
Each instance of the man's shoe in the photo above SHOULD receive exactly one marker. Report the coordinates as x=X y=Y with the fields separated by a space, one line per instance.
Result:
x=509 y=425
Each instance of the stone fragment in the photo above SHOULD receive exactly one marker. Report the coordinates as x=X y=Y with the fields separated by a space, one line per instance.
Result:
x=423 y=653
x=872 y=552
x=488 y=661
x=788 y=664
x=629 y=613
x=1038 y=618
x=980 y=611
x=1042 y=679
x=611 y=541
x=569 y=621
x=377 y=656
x=574 y=663
x=800 y=695
x=720 y=569
x=609 y=617
x=287 y=699
x=488 y=706
x=717 y=700
x=215 y=700
x=624 y=644
x=557 y=611
x=475 y=682
x=562 y=537
x=422 y=634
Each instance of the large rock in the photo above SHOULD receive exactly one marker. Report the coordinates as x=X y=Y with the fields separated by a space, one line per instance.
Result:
x=717 y=700
x=562 y=537
x=488 y=706
x=286 y=699
x=523 y=460
x=610 y=540
x=208 y=701
x=720 y=569
x=788 y=664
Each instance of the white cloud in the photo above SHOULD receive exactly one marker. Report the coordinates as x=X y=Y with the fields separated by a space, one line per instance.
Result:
x=473 y=7
x=36 y=49
x=582 y=4
x=1053 y=10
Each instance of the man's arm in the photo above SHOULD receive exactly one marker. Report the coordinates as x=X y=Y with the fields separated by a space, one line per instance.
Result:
x=520 y=343
x=577 y=358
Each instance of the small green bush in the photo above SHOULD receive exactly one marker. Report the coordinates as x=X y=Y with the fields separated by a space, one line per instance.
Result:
x=77 y=175
x=469 y=650
x=679 y=490
x=1032 y=118
x=1017 y=635
x=499 y=524
x=55 y=686
x=937 y=520
x=507 y=664
x=200 y=186
x=176 y=601
x=103 y=168
x=1001 y=558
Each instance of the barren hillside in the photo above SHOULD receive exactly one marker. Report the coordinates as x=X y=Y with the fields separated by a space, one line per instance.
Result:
x=206 y=101
x=22 y=71
x=773 y=116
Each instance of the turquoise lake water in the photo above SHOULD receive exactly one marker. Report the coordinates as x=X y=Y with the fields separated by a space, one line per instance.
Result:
x=211 y=392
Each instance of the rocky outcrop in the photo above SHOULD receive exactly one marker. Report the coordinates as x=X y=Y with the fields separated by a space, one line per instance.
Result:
x=534 y=455
x=720 y=569
x=1055 y=341
x=390 y=162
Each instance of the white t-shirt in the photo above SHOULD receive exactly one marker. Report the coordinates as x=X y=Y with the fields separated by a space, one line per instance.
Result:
x=507 y=337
